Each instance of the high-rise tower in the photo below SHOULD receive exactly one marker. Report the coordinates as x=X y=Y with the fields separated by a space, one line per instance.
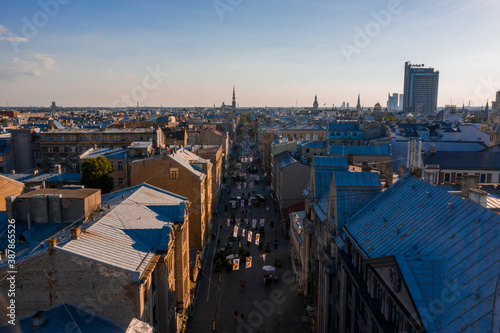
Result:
x=420 y=89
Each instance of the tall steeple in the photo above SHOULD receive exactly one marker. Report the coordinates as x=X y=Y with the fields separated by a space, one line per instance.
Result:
x=234 y=99
x=358 y=106
x=315 y=104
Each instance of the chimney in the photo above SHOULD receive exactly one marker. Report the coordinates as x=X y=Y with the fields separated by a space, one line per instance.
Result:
x=365 y=167
x=350 y=159
x=51 y=243
x=389 y=175
x=57 y=168
x=11 y=209
x=478 y=197
x=433 y=149
x=38 y=321
x=401 y=171
x=417 y=172
x=429 y=177
x=469 y=182
x=76 y=232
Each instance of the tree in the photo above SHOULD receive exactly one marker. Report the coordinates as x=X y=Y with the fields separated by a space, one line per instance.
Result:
x=95 y=174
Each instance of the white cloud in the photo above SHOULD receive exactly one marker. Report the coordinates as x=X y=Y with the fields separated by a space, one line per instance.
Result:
x=106 y=71
x=35 y=64
x=10 y=37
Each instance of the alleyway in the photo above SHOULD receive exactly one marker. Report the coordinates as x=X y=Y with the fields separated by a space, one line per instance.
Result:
x=271 y=307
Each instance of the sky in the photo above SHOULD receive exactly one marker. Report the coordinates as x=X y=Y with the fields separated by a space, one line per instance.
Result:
x=275 y=53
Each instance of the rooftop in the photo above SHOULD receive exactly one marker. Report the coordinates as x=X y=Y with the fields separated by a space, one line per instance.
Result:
x=138 y=224
x=438 y=239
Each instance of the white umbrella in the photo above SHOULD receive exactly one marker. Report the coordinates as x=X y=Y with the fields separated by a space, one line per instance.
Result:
x=269 y=268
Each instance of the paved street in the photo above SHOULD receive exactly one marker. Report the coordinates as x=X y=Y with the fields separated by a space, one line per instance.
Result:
x=275 y=307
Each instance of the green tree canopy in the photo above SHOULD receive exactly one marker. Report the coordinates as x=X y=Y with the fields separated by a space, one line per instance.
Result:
x=95 y=174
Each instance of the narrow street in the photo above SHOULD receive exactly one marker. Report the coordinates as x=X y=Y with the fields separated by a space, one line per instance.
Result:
x=275 y=306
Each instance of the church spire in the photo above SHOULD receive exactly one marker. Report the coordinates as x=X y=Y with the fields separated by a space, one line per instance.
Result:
x=358 y=106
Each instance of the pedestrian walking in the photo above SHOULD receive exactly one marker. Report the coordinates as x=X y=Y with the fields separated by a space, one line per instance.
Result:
x=243 y=316
x=235 y=316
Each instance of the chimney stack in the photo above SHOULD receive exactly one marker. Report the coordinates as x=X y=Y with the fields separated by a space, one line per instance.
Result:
x=365 y=167
x=51 y=243
x=433 y=149
x=389 y=175
x=429 y=177
x=469 y=182
x=57 y=168
x=478 y=196
x=401 y=171
x=417 y=172
x=350 y=159
x=76 y=232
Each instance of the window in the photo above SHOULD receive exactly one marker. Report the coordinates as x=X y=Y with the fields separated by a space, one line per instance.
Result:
x=73 y=149
x=120 y=166
x=174 y=173
x=74 y=166
x=50 y=150
x=49 y=138
x=459 y=175
x=59 y=138
x=61 y=149
x=482 y=178
x=112 y=165
x=120 y=181
x=447 y=177
x=51 y=160
x=63 y=170
x=112 y=181
x=61 y=160
x=308 y=150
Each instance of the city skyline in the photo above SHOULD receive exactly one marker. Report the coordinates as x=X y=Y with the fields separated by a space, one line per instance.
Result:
x=275 y=54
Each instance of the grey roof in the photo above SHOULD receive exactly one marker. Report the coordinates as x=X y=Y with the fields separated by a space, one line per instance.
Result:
x=47 y=177
x=141 y=144
x=129 y=235
x=379 y=150
x=481 y=160
x=436 y=237
x=284 y=159
x=66 y=317
x=109 y=153
x=400 y=149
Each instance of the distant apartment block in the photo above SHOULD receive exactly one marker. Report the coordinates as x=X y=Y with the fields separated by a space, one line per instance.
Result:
x=63 y=146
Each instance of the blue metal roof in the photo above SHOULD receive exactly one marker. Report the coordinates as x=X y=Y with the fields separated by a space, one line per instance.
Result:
x=47 y=177
x=314 y=144
x=343 y=127
x=329 y=162
x=357 y=179
x=66 y=317
x=109 y=153
x=421 y=222
x=381 y=150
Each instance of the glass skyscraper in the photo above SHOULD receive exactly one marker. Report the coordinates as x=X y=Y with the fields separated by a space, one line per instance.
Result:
x=420 y=89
